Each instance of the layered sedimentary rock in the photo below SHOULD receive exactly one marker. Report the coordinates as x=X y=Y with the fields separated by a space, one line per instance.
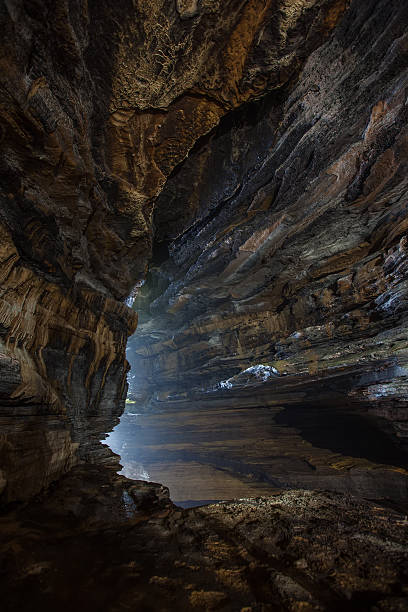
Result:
x=286 y=278
x=99 y=103
x=249 y=160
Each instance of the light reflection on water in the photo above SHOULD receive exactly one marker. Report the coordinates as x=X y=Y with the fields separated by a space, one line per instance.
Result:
x=222 y=453
x=184 y=450
x=131 y=469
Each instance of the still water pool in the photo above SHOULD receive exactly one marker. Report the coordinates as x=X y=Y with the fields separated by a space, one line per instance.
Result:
x=219 y=454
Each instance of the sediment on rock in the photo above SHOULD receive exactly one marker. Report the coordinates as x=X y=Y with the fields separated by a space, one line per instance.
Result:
x=125 y=546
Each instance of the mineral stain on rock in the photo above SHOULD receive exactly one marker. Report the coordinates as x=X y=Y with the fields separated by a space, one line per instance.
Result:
x=224 y=183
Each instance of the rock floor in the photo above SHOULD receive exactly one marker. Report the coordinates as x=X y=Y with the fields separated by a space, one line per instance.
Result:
x=101 y=542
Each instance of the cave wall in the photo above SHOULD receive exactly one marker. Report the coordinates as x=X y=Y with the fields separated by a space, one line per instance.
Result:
x=100 y=102
x=287 y=233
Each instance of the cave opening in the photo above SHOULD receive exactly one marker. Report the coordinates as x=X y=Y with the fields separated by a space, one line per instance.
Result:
x=237 y=386
x=208 y=442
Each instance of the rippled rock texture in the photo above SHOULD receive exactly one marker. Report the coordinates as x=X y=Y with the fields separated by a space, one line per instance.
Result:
x=99 y=103
x=286 y=279
x=252 y=155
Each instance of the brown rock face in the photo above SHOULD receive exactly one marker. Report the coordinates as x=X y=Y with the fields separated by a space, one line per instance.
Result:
x=99 y=103
x=248 y=158
x=286 y=280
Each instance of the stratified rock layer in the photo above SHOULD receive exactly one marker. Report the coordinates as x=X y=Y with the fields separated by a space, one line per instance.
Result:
x=286 y=280
x=255 y=153
x=99 y=103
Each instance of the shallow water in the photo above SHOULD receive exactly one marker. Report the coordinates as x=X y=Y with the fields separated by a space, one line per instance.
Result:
x=191 y=453
x=220 y=454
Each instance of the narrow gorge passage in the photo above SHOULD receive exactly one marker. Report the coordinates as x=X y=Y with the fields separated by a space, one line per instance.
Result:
x=214 y=193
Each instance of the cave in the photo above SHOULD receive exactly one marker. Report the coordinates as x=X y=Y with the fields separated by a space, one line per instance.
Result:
x=204 y=252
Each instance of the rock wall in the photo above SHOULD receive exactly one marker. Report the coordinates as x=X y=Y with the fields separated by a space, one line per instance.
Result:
x=285 y=281
x=100 y=102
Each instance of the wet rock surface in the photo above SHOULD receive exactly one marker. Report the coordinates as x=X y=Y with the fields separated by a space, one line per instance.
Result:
x=99 y=103
x=293 y=256
x=248 y=159
x=93 y=543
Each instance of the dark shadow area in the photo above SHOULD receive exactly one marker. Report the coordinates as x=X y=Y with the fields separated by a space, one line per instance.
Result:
x=343 y=432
